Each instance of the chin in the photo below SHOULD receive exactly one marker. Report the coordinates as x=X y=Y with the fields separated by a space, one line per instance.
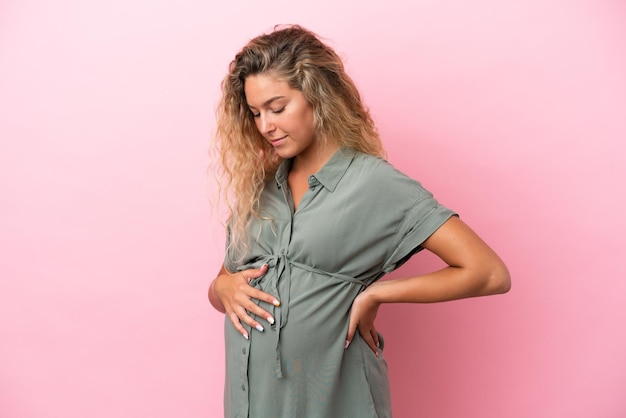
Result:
x=285 y=154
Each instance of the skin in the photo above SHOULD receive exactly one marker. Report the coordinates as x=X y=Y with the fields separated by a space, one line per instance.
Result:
x=285 y=119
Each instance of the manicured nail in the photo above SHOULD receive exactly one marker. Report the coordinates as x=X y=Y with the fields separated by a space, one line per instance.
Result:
x=347 y=344
x=259 y=327
x=270 y=320
x=245 y=336
x=275 y=302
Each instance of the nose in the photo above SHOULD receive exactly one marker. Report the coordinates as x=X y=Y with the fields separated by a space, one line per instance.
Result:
x=265 y=124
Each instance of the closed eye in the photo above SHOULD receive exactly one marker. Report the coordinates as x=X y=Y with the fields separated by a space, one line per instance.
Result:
x=256 y=115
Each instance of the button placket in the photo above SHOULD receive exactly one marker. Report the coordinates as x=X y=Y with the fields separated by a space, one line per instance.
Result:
x=243 y=369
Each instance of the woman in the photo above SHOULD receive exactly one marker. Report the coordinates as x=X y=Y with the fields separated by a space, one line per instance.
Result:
x=317 y=216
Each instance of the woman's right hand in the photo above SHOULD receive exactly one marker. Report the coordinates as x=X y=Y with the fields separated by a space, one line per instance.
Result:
x=232 y=294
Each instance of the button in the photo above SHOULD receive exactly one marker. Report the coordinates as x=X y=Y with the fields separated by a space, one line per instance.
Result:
x=282 y=252
x=243 y=351
x=243 y=387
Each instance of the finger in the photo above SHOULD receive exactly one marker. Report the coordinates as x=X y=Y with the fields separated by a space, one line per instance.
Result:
x=255 y=293
x=375 y=336
x=245 y=317
x=255 y=273
x=351 y=330
x=375 y=340
x=255 y=309
x=240 y=329
x=369 y=340
x=252 y=274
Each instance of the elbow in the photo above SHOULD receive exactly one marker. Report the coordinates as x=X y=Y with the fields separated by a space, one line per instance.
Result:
x=213 y=299
x=499 y=280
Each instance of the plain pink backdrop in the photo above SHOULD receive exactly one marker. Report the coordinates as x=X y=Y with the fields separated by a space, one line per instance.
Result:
x=513 y=113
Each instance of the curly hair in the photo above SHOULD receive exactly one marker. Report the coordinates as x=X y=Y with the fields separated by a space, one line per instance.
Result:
x=297 y=56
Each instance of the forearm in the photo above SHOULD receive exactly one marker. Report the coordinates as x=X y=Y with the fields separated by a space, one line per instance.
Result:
x=449 y=283
x=473 y=269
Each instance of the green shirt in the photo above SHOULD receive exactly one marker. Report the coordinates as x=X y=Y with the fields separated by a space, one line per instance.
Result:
x=359 y=219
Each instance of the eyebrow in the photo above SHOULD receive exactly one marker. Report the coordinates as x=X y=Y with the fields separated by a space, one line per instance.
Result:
x=268 y=101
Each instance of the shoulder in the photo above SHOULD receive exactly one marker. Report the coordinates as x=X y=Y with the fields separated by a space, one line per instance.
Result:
x=379 y=172
x=380 y=183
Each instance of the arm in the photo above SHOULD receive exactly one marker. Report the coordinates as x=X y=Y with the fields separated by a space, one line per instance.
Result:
x=230 y=293
x=473 y=270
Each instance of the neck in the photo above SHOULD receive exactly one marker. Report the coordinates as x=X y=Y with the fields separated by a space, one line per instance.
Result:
x=312 y=161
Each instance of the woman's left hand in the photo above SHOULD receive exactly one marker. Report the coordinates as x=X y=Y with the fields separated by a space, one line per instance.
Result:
x=362 y=316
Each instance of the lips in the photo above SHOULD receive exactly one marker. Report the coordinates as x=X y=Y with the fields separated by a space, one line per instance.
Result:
x=276 y=142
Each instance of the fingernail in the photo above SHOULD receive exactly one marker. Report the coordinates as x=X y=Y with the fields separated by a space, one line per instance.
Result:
x=270 y=320
x=275 y=302
x=259 y=327
x=245 y=336
x=347 y=344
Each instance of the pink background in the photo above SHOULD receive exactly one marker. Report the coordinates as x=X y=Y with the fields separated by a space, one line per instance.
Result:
x=511 y=112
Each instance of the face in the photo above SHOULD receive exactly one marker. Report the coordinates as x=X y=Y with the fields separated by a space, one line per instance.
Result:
x=282 y=115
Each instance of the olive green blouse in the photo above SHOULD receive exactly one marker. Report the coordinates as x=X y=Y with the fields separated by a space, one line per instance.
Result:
x=359 y=219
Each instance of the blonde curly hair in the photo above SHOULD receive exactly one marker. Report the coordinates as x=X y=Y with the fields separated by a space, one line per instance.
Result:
x=297 y=56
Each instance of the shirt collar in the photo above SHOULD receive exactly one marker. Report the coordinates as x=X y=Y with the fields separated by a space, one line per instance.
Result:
x=329 y=175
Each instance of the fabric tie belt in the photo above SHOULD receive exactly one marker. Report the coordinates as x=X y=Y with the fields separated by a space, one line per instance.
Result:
x=277 y=282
